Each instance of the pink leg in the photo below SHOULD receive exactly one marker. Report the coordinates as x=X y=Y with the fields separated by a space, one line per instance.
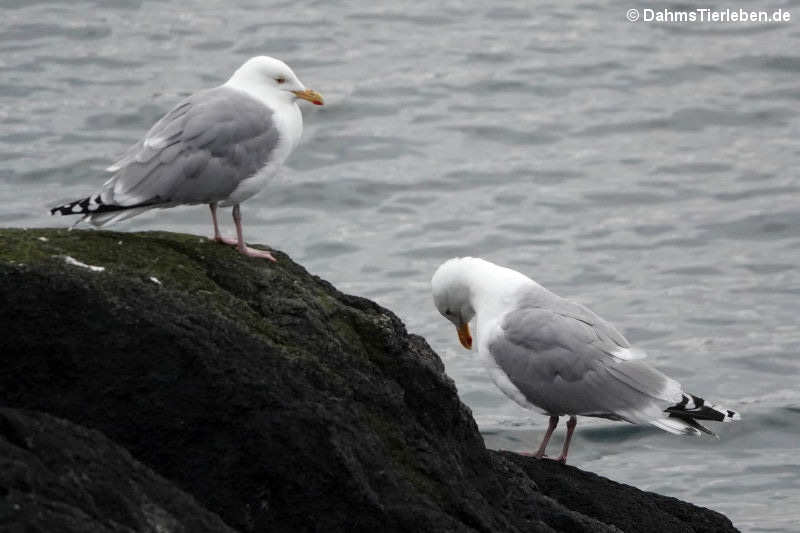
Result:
x=243 y=248
x=217 y=235
x=549 y=433
x=571 y=423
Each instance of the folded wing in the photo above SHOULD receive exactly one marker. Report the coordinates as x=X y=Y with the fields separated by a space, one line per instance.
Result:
x=566 y=360
x=199 y=152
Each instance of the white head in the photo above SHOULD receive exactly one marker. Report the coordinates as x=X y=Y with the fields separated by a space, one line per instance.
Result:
x=464 y=285
x=264 y=77
x=452 y=295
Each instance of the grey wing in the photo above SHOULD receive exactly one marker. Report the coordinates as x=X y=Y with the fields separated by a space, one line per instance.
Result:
x=199 y=152
x=604 y=335
x=561 y=358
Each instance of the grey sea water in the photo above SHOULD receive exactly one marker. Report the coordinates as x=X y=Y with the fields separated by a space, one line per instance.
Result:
x=647 y=170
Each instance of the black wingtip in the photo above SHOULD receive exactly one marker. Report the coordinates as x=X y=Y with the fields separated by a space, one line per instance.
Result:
x=85 y=206
x=92 y=205
x=693 y=407
x=72 y=208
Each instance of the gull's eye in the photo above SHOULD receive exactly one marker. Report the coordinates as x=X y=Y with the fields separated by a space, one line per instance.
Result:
x=280 y=79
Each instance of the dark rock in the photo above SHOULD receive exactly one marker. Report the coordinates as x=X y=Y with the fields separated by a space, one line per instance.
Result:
x=617 y=504
x=59 y=477
x=278 y=402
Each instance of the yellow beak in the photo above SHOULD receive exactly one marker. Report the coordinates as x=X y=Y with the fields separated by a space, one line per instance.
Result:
x=312 y=96
x=464 y=336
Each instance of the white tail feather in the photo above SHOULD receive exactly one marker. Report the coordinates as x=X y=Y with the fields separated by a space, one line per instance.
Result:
x=675 y=426
x=112 y=217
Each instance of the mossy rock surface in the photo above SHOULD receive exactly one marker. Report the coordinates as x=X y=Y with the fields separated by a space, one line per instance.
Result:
x=278 y=402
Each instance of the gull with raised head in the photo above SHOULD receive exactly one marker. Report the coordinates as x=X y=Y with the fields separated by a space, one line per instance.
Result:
x=219 y=147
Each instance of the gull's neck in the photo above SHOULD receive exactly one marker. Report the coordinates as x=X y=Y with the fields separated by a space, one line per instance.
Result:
x=493 y=289
x=286 y=113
